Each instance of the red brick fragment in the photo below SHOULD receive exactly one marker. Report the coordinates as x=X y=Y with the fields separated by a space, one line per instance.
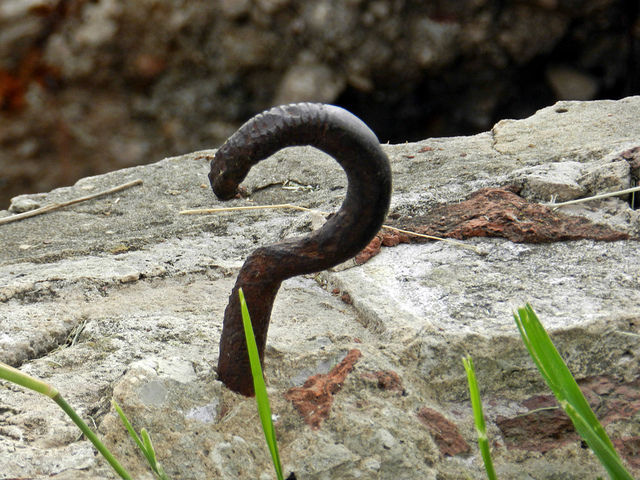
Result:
x=387 y=380
x=629 y=449
x=387 y=238
x=346 y=298
x=370 y=251
x=391 y=238
x=544 y=430
x=314 y=399
x=445 y=433
x=500 y=212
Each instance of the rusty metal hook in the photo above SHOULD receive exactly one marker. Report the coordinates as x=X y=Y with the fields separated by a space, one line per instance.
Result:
x=347 y=139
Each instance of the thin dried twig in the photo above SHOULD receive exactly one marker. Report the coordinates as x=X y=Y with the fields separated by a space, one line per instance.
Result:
x=57 y=206
x=595 y=197
x=439 y=239
x=205 y=211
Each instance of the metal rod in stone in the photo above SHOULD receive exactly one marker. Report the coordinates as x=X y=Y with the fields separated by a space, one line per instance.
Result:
x=356 y=148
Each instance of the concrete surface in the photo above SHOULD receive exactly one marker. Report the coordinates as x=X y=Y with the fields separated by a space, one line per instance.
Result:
x=122 y=297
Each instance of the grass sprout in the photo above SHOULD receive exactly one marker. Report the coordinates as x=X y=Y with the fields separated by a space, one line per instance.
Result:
x=478 y=417
x=260 y=388
x=144 y=444
x=564 y=387
x=19 y=378
x=540 y=347
x=14 y=375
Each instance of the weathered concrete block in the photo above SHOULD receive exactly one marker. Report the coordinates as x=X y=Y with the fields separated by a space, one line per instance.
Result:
x=122 y=298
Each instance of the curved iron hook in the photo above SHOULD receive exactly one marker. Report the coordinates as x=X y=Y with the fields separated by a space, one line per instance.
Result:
x=347 y=139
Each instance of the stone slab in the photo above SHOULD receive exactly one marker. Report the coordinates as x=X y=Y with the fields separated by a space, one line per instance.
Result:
x=122 y=297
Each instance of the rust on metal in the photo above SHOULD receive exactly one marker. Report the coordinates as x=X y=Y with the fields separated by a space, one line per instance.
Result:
x=346 y=138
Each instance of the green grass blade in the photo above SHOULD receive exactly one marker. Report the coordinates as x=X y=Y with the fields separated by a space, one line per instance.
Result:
x=478 y=416
x=565 y=388
x=144 y=444
x=151 y=456
x=92 y=437
x=557 y=374
x=14 y=375
x=20 y=378
x=161 y=473
x=151 y=453
x=262 y=399
x=129 y=427
x=607 y=456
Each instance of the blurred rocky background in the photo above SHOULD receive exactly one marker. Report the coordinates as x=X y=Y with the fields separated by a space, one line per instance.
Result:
x=88 y=86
